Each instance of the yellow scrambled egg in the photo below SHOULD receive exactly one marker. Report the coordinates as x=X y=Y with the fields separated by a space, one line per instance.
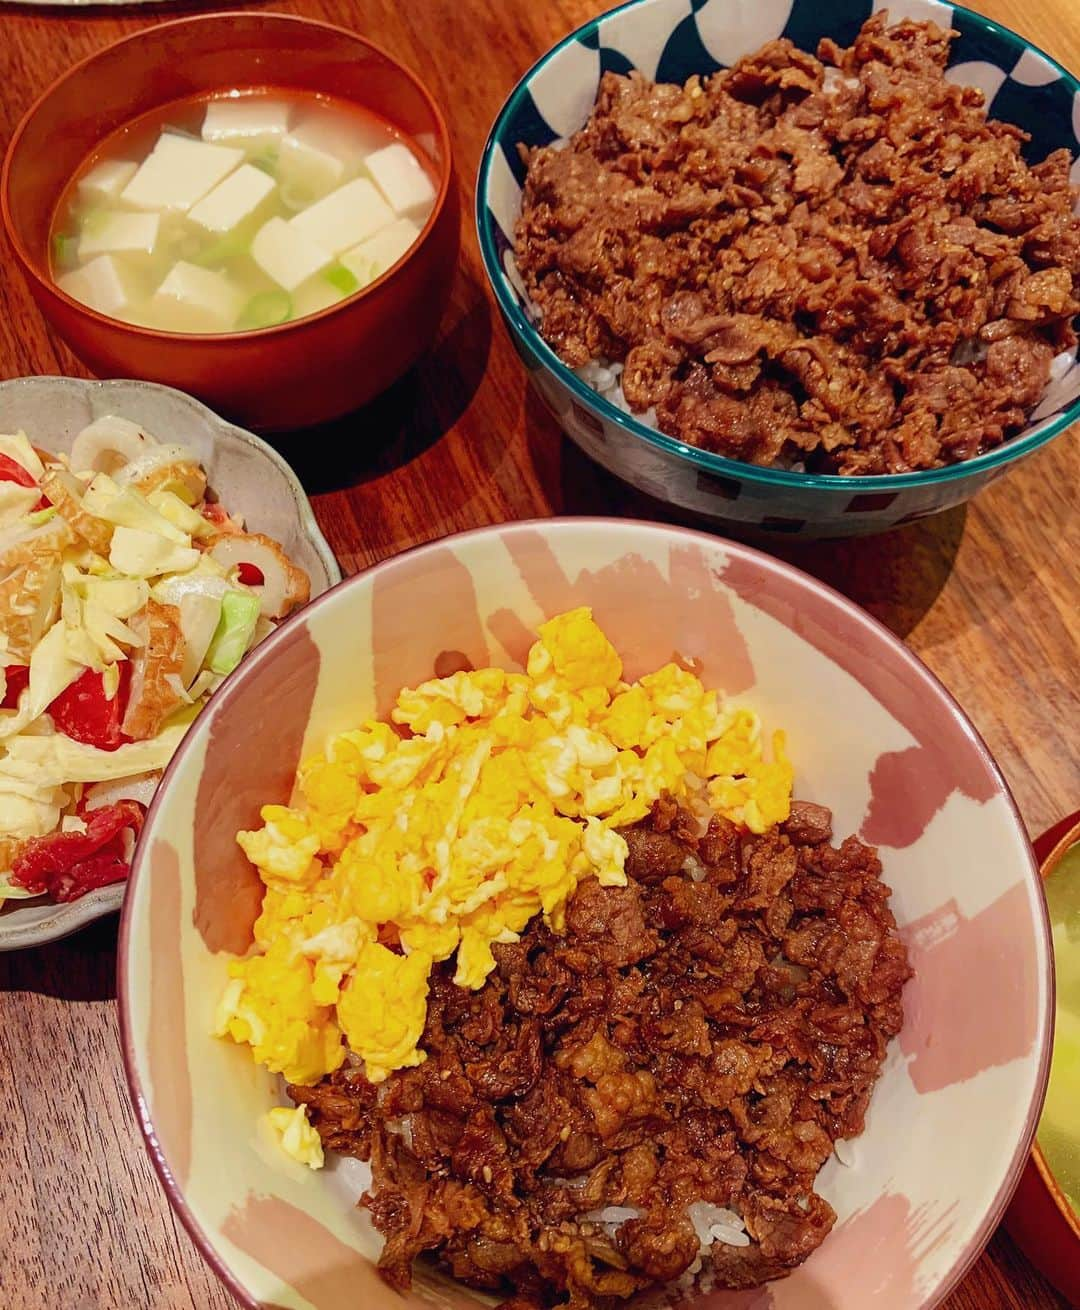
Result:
x=296 y=1136
x=484 y=803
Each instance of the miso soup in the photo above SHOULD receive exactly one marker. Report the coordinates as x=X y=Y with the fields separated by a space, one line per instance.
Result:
x=238 y=211
x=1059 y=1129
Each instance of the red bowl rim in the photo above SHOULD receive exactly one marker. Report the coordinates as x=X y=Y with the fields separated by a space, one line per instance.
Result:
x=30 y=268
x=1069 y=838
x=769 y=564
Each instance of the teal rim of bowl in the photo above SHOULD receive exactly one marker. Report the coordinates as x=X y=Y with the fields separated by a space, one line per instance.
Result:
x=721 y=465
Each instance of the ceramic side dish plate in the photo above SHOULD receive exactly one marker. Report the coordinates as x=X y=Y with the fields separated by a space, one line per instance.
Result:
x=669 y=40
x=250 y=478
x=871 y=734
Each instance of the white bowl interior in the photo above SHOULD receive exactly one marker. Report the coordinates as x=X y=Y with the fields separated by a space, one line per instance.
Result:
x=872 y=735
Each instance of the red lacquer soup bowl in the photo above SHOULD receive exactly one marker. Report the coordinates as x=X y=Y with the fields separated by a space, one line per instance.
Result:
x=1040 y=1217
x=293 y=374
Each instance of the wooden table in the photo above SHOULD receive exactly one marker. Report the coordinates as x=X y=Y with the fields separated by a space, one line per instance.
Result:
x=987 y=596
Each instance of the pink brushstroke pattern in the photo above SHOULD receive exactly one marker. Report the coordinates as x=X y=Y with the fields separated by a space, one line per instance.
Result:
x=237 y=781
x=419 y=604
x=688 y=611
x=878 y=1250
x=982 y=968
x=753 y=1298
x=166 y=1044
x=908 y=787
x=309 y=1259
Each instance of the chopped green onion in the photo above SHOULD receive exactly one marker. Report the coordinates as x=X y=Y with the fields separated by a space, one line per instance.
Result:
x=65 y=250
x=268 y=162
x=231 y=245
x=235 y=629
x=40 y=516
x=265 y=309
x=340 y=277
x=95 y=219
x=295 y=197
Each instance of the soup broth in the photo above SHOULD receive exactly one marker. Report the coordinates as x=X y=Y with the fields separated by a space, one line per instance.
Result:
x=239 y=211
x=1059 y=1130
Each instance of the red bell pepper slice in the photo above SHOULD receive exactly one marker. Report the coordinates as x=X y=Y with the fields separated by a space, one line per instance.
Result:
x=69 y=864
x=12 y=471
x=18 y=679
x=84 y=713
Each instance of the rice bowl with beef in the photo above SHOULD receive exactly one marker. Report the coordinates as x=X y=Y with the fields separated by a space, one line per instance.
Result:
x=833 y=269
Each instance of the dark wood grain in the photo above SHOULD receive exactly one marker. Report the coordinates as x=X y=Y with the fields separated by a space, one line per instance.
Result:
x=987 y=596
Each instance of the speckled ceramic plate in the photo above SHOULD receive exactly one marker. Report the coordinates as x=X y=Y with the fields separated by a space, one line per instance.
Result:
x=248 y=476
x=871 y=733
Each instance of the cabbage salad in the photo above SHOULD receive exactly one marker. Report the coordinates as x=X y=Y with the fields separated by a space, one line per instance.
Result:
x=126 y=596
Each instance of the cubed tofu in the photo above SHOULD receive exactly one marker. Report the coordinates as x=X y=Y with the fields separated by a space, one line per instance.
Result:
x=306 y=173
x=104 y=284
x=371 y=258
x=119 y=231
x=233 y=200
x=106 y=180
x=319 y=153
x=193 y=299
x=288 y=256
x=178 y=172
x=315 y=294
x=245 y=120
x=344 y=217
x=401 y=179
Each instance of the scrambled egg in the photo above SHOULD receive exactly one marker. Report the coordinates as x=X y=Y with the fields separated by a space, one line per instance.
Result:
x=484 y=803
x=295 y=1135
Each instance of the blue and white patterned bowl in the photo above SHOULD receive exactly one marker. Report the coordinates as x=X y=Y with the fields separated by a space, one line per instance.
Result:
x=669 y=40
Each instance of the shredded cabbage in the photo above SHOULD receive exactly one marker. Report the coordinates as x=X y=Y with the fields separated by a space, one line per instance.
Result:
x=11 y=891
x=125 y=507
x=16 y=446
x=56 y=760
x=16 y=501
x=77 y=598
x=169 y=505
x=51 y=672
x=29 y=810
x=207 y=578
x=235 y=630
x=148 y=554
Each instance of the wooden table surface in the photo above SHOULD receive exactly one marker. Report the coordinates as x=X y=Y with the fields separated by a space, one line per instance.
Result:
x=987 y=596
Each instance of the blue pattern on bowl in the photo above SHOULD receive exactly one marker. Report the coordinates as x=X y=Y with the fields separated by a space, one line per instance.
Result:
x=670 y=40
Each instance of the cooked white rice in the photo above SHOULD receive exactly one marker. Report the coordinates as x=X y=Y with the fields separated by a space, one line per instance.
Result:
x=712 y=1223
x=604 y=375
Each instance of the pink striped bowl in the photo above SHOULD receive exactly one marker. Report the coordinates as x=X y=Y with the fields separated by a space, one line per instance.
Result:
x=873 y=735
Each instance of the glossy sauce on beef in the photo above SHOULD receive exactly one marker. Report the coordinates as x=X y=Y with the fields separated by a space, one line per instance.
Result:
x=704 y=1034
x=832 y=263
